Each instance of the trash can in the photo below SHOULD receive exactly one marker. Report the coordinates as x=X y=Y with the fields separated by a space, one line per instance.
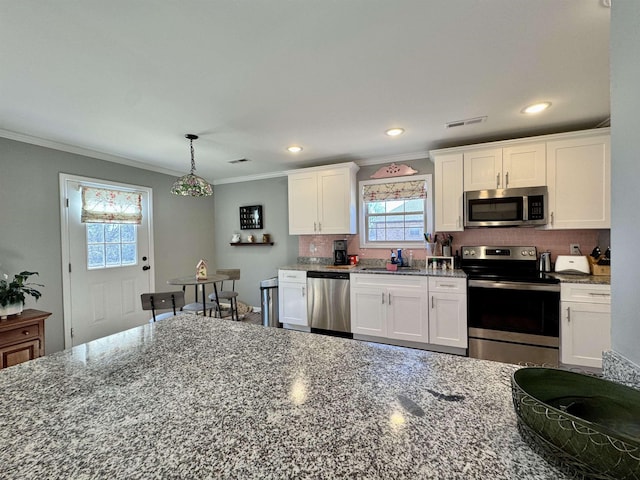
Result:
x=269 y=306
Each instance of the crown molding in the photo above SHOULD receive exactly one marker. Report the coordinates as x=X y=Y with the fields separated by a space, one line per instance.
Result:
x=86 y=152
x=401 y=157
x=249 y=178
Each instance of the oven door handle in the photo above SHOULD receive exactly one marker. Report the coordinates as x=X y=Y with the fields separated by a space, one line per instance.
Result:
x=538 y=287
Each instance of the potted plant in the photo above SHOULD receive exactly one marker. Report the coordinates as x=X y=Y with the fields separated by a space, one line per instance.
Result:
x=12 y=293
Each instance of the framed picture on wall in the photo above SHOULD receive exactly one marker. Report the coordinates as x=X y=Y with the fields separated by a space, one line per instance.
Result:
x=251 y=217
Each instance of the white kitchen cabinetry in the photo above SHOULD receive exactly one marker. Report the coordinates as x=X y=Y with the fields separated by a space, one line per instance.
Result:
x=522 y=165
x=579 y=182
x=390 y=306
x=585 y=329
x=448 y=311
x=322 y=200
x=448 y=194
x=292 y=297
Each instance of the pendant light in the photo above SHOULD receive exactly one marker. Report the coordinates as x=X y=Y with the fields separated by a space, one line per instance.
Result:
x=192 y=185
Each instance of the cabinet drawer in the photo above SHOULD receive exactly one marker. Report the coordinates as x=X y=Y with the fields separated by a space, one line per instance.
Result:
x=292 y=276
x=19 y=334
x=22 y=352
x=576 y=292
x=388 y=280
x=448 y=285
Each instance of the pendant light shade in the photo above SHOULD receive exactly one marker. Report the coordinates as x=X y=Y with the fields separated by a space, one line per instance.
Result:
x=191 y=184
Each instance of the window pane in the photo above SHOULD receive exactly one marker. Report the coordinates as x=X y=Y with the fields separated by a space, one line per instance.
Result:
x=112 y=255
x=128 y=233
x=375 y=207
x=413 y=234
x=112 y=233
x=129 y=254
x=395 y=206
x=95 y=256
x=395 y=234
x=95 y=233
x=416 y=205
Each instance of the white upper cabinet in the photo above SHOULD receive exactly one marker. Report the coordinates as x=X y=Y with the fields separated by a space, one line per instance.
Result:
x=322 y=200
x=448 y=192
x=514 y=166
x=579 y=182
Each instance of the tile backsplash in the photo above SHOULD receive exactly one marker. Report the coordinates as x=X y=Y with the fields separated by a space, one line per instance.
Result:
x=556 y=241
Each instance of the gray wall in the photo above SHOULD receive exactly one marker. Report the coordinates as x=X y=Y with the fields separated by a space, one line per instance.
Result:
x=255 y=262
x=30 y=222
x=625 y=177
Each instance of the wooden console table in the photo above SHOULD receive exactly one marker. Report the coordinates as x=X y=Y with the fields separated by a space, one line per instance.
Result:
x=22 y=337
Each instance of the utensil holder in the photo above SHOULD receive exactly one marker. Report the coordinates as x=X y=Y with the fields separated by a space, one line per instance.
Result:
x=432 y=249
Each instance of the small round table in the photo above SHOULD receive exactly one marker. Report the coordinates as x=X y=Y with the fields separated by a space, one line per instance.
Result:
x=191 y=280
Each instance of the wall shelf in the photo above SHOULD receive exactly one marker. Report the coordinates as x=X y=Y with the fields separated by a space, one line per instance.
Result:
x=250 y=243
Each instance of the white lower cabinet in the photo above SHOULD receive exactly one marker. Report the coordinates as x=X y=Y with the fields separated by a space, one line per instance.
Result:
x=426 y=310
x=390 y=306
x=585 y=329
x=292 y=297
x=448 y=311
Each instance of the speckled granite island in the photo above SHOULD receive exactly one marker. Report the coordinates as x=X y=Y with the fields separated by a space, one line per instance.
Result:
x=195 y=397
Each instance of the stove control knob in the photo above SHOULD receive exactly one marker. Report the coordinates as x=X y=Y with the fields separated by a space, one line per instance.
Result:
x=523 y=253
x=532 y=253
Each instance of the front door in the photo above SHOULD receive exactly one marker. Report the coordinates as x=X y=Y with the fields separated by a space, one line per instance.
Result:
x=108 y=266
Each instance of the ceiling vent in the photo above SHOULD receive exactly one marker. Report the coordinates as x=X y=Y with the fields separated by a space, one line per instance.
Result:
x=468 y=121
x=240 y=160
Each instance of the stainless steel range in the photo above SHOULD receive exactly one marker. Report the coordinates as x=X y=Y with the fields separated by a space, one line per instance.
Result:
x=513 y=309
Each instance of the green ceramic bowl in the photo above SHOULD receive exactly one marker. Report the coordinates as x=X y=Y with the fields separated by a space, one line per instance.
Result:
x=587 y=424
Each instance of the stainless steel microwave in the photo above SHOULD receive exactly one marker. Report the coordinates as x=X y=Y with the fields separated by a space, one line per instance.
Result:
x=507 y=207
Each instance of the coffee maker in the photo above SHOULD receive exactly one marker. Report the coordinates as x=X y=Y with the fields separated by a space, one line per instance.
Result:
x=340 y=256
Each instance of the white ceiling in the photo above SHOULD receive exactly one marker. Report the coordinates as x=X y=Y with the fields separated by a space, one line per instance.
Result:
x=128 y=78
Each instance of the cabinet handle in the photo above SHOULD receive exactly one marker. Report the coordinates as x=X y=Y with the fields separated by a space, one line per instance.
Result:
x=319 y=226
x=432 y=306
x=303 y=291
x=592 y=294
x=314 y=226
x=382 y=298
x=26 y=332
x=389 y=298
x=498 y=180
x=447 y=285
x=551 y=218
x=458 y=221
x=506 y=180
x=568 y=314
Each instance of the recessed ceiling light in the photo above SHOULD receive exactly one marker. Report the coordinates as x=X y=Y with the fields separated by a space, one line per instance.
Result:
x=294 y=148
x=536 y=107
x=394 y=132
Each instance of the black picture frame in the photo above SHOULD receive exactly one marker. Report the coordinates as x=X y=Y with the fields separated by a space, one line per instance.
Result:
x=251 y=217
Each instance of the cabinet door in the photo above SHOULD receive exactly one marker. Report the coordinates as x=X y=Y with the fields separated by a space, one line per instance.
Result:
x=448 y=319
x=483 y=169
x=368 y=311
x=448 y=193
x=19 y=353
x=524 y=165
x=407 y=315
x=303 y=203
x=292 y=298
x=579 y=181
x=335 y=207
x=585 y=332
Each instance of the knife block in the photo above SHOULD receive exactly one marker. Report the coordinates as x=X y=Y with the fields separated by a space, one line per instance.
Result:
x=598 y=270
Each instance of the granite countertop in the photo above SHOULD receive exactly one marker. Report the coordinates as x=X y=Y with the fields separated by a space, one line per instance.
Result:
x=376 y=270
x=587 y=279
x=195 y=397
x=563 y=277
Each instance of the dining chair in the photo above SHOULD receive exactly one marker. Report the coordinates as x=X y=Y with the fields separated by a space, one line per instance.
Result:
x=162 y=301
x=228 y=295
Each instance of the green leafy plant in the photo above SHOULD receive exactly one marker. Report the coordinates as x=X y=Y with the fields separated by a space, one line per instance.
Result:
x=15 y=291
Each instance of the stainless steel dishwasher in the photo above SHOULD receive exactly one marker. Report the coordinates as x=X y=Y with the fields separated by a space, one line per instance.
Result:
x=328 y=303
